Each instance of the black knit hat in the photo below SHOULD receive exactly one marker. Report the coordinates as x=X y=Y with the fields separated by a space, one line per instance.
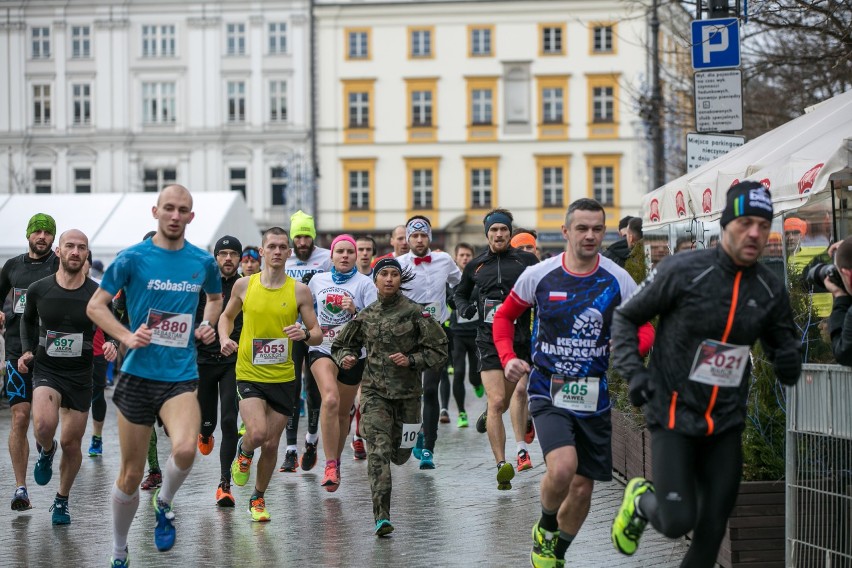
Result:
x=387 y=262
x=747 y=199
x=228 y=243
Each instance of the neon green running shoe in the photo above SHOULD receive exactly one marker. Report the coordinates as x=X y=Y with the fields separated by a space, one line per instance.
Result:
x=543 y=553
x=479 y=390
x=628 y=525
x=241 y=468
x=462 y=421
x=242 y=431
x=505 y=473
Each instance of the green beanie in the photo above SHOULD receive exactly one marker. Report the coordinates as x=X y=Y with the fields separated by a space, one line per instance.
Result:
x=41 y=222
x=302 y=224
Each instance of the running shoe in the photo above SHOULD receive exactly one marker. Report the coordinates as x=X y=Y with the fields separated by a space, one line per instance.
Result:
x=524 y=461
x=242 y=431
x=241 y=467
x=291 y=461
x=543 y=553
x=331 y=478
x=61 y=516
x=257 y=508
x=427 y=460
x=417 y=451
x=529 y=436
x=481 y=426
x=205 y=444
x=224 y=497
x=445 y=416
x=21 y=500
x=383 y=527
x=462 y=421
x=628 y=525
x=154 y=480
x=164 y=532
x=96 y=448
x=121 y=562
x=479 y=391
x=309 y=457
x=43 y=470
x=359 y=452
x=505 y=473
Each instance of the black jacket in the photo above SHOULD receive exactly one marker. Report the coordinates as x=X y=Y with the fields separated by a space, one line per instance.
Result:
x=840 y=327
x=618 y=252
x=17 y=274
x=693 y=294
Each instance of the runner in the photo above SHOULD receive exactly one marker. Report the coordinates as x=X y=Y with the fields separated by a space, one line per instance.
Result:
x=56 y=336
x=250 y=261
x=493 y=273
x=17 y=274
x=162 y=278
x=366 y=255
x=217 y=379
x=338 y=296
x=432 y=272
x=398 y=242
x=713 y=305
x=574 y=295
x=366 y=252
x=270 y=302
x=402 y=340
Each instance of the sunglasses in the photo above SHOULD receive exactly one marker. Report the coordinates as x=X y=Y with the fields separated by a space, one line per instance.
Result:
x=250 y=254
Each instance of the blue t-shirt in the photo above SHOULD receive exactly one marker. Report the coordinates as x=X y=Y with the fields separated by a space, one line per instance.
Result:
x=162 y=288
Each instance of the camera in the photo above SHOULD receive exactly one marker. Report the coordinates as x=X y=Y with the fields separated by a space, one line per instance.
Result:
x=817 y=274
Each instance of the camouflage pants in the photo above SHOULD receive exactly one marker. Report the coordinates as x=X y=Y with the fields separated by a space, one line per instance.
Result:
x=381 y=425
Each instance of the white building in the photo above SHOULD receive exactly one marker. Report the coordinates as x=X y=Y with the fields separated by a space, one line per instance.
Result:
x=113 y=96
x=448 y=109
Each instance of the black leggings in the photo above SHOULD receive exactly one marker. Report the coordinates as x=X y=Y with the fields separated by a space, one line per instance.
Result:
x=99 y=405
x=431 y=411
x=303 y=369
x=696 y=480
x=217 y=387
x=464 y=353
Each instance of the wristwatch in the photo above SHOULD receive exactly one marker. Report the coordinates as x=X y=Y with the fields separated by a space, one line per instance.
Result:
x=411 y=362
x=307 y=334
x=205 y=322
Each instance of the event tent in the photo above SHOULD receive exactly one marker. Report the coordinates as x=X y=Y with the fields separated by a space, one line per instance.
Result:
x=114 y=221
x=794 y=161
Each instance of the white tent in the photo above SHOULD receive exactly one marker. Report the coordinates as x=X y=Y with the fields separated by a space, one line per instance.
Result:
x=114 y=221
x=795 y=160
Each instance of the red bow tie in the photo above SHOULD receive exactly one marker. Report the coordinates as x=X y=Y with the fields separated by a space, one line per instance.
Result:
x=420 y=259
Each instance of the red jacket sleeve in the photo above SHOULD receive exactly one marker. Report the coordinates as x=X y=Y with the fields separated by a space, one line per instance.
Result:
x=646 y=334
x=503 y=328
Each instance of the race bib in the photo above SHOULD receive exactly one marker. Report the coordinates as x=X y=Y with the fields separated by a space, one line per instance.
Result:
x=169 y=329
x=575 y=394
x=19 y=300
x=719 y=364
x=409 y=435
x=434 y=310
x=272 y=351
x=61 y=344
x=491 y=307
x=329 y=332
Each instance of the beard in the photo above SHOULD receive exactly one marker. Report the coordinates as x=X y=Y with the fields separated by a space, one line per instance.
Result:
x=66 y=266
x=304 y=254
x=40 y=249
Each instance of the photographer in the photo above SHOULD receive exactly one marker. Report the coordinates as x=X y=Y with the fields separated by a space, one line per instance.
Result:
x=840 y=321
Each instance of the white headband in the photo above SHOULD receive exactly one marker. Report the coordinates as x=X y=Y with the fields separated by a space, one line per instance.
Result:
x=418 y=226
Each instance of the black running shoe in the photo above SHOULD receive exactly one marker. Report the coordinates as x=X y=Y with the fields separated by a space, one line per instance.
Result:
x=309 y=457
x=481 y=427
x=291 y=461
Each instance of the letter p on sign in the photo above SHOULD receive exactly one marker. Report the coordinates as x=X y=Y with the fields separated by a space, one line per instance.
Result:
x=715 y=43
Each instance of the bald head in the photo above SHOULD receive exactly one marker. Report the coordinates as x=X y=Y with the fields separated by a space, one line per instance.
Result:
x=174 y=191
x=398 y=241
x=73 y=250
x=75 y=236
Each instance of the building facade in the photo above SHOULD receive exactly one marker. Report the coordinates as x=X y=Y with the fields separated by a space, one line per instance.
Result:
x=107 y=96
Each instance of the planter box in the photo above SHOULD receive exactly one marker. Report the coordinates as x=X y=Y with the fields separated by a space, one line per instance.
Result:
x=755 y=533
x=629 y=455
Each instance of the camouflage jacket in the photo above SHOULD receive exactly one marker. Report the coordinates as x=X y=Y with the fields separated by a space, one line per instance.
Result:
x=397 y=325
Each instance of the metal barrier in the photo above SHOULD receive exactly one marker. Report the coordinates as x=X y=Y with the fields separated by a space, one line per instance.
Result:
x=819 y=469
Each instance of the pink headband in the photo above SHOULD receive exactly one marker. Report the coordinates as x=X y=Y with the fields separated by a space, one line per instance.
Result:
x=344 y=237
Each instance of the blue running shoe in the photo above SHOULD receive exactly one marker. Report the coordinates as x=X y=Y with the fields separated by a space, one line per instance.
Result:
x=427 y=460
x=96 y=448
x=417 y=451
x=61 y=516
x=43 y=470
x=121 y=562
x=383 y=527
x=164 y=532
x=21 y=500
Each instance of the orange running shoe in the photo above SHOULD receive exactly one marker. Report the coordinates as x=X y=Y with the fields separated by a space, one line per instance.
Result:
x=524 y=462
x=331 y=479
x=224 y=497
x=530 y=435
x=205 y=444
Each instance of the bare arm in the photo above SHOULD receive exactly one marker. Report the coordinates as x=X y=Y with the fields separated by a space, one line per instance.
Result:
x=101 y=315
x=309 y=318
x=225 y=324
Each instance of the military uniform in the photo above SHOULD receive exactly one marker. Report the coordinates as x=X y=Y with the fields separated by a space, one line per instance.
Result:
x=390 y=394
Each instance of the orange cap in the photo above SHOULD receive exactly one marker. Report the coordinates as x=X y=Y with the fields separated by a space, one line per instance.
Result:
x=774 y=237
x=523 y=239
x=795 y=224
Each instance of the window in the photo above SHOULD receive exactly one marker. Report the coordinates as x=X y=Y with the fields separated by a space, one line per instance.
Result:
x=158 y=103
x=81 y=42
x=421 y=108
x=421 y=189
x=480 y=188
x=81 y=94
x=552 y=177
x=237 y=180
x=603 y=184
x=277 y=38
x=358 y=110
x=358 y=43
x=552 y=186
x=420 y=43
x=82 y=180
x=422 y=184
x=552 y=39
x=41 y=104
x=481 y=109
x=158 y=41
x=603 y=104
x=236 y=101
x=154 y=179
x=358 y=185
x=602 y=39
x=481 y=93
x=551 y=105
x=480 y=41
x=278 y=101
x=551 y=96
x=422 y=123
x=236 y=38
x=41 y=43
x=359 y=189
x=603 y=181
x=43 y=180
x=279 y=180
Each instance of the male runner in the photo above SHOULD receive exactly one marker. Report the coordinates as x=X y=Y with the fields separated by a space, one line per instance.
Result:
x=432 y=272
x=57 y=336
x=17 y=274
x=366 y=251
x=270 y=302
x=398 y=242
x=575 y=294
x=250 y=261
x=162 y=278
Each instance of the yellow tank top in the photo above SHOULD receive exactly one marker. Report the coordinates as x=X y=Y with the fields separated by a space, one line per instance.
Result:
x=265 y=353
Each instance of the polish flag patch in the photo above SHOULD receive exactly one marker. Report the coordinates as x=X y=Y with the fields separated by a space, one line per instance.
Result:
x=558 y=296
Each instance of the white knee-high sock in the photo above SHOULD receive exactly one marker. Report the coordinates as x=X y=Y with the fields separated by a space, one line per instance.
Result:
x=173 y=478
x=123 y=509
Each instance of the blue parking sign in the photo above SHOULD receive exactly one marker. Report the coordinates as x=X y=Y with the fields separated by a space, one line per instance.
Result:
x=716 y=43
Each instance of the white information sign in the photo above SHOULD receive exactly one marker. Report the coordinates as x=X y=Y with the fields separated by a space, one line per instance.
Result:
x=719 y=100
x=702 y=148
